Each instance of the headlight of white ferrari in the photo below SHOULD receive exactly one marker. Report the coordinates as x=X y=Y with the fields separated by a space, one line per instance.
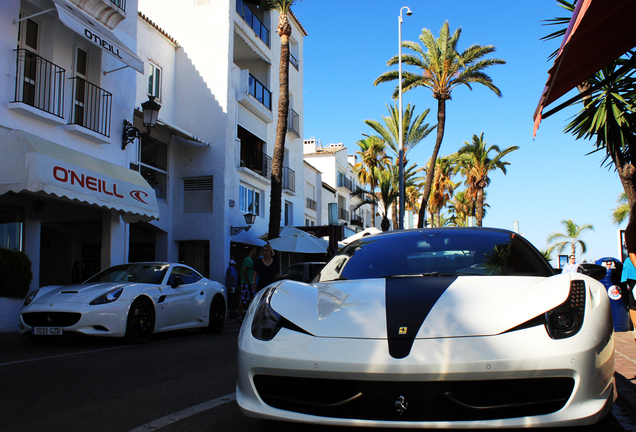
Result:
x=566 y=319
x=30 y=297
x=267 y=322
x=109 y=297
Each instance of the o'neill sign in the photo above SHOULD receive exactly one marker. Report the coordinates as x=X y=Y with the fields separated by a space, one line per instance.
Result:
x=107 y=187
x=95 y=38
x=95 y=32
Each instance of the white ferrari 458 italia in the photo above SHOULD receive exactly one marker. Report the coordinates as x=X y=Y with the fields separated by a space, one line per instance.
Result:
x=431 y=328
x=132 y=300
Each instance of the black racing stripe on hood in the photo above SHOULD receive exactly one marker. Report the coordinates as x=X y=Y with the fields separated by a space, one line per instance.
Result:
x=408 y=302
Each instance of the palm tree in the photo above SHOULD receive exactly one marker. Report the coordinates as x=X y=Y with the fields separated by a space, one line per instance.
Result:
x=608 y=118
x=476 y=165
x=284 y=31
x=570 y=238
x=388 y=180
x=443 y=188
x=607 y=115
x=562 y=22
x=460 y=207
x=373 y=156
x=443 y=69
x=621 y=212
x=414 y=129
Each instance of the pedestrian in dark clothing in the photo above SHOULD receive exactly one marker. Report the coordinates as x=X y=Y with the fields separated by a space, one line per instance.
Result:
x=266 y=268
x=231 y=284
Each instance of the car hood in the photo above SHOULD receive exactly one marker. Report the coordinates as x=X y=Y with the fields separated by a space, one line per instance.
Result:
x=81 y=293
x=432 y=307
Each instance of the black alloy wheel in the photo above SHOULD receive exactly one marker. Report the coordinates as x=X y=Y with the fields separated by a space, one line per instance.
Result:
x=141 y=322
x=217 y=314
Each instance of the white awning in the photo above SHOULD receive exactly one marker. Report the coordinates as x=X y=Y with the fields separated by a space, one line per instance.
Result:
x=174 y=129
x=33 y=164
x=96 y=34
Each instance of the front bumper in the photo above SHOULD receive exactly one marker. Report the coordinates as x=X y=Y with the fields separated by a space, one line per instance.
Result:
x=581 y=366
x=100 y=320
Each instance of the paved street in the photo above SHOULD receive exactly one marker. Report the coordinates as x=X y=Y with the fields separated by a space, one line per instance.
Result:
x=179 y=382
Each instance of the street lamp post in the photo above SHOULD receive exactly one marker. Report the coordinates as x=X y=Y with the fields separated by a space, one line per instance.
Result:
x=401 y=126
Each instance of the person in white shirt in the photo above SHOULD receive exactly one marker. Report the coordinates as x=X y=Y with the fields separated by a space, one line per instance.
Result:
x=571 y=266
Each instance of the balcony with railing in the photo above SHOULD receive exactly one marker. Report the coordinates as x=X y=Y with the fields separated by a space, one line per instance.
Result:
x=253 y=21
x=260 y=92
x=108 y=12
x=345 y=183
x=311 y=204
x=357 y=220
x=39 y=83
x=343 y=214
x=289 y=179
x=256 y=160
x=293 y=123
x=91 y=106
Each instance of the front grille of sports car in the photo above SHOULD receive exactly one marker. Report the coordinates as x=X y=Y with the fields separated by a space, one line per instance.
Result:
x=415 y=401
x=51 y=319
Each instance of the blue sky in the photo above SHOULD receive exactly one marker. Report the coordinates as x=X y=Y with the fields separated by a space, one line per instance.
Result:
x=549 y=179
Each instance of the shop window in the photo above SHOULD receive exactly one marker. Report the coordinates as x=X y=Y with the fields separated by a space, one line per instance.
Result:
x=153 y=164
x=11 y=227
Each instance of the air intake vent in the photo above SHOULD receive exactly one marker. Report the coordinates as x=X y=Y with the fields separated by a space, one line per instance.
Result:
x=198 y=184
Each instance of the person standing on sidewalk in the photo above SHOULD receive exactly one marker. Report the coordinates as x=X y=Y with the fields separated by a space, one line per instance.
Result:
x=248 y=284
x=571 y=266
x=629 y=266
x=231 y=283
x=266 y=268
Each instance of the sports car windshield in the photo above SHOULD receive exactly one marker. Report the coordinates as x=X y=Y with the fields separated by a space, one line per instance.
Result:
x=437 y=252
x=138 y=273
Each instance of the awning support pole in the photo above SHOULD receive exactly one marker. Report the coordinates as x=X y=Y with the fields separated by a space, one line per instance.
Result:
x=15 y=21
x=115 y=70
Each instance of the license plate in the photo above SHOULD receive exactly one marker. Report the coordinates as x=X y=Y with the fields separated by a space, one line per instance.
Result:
x=47 y=331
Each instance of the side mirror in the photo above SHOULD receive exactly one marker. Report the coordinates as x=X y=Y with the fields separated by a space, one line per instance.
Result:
x=595 y=271
x=178 y=280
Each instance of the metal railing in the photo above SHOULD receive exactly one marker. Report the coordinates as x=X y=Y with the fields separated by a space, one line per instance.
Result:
x=256 y=160
x=345 y=183
x=343 y=214
x=293 y=122
x=254 y=22
x=260 y=92
x=294 y=61
x=39 y=83
x=91 y=106
x=311 y=204
x=121 y=4
x=289 y=179
x=357 y=220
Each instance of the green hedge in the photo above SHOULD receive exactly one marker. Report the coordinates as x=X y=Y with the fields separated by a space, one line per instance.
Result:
x=16 y=274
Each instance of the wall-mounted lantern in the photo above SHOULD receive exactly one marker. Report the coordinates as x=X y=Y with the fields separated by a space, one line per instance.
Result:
x=150 y=110
x=250 y=218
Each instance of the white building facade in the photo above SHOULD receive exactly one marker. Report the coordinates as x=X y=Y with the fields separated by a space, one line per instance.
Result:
x=340 y=181
x=66 y=190
x=77 y=198
x=221 y=89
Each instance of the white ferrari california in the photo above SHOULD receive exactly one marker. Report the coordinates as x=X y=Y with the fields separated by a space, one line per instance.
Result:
x=431 y=328
x=132 y=300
